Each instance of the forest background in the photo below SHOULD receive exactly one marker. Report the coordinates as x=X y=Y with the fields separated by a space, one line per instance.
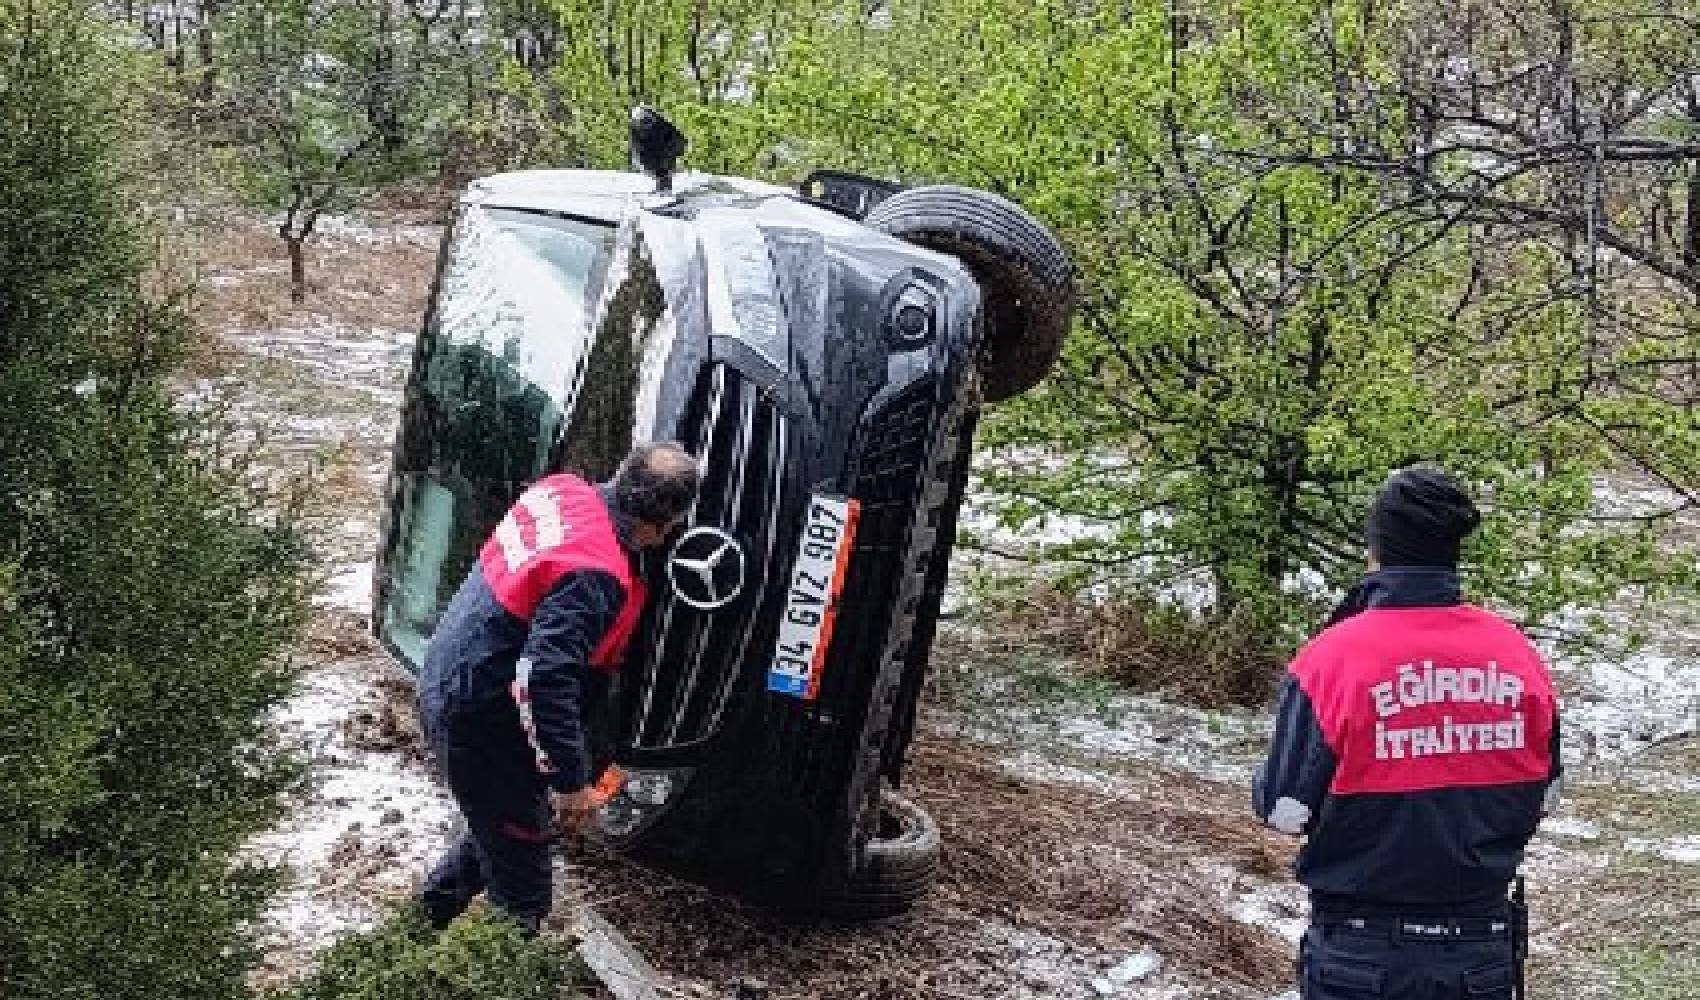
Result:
x=1316 y=240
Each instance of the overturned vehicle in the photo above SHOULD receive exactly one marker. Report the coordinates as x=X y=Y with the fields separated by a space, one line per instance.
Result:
x=826 y=352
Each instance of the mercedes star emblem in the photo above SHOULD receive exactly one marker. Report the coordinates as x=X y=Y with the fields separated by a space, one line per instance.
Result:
x=706 y=568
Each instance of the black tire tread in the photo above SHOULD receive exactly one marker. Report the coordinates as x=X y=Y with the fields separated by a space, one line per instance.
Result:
x=895 y=872
x=1024 y=274
x=992 y=210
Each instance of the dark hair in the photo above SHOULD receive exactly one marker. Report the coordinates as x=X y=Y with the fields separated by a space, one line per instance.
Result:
x=657 y=482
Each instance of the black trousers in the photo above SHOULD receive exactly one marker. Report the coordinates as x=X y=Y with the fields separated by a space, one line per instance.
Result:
x=1341 y=962
x=504 y=852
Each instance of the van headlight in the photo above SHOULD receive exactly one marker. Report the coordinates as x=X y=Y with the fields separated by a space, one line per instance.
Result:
x=910 y=325
x=642 y=797
x=651 y=788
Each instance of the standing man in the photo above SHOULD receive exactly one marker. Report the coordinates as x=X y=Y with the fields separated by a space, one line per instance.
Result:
x=522 y=652
x=1416 y=747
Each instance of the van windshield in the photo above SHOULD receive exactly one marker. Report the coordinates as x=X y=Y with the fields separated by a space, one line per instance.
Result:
x=504 y=344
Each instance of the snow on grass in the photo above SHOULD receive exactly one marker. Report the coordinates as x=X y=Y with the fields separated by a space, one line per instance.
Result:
x=1684 y=850
x=1030 y=764
x=1565 y=826
x=349 y=589
x=364 y=831
x=371 y=362
x=373 y=817
x=1065 y=730
x=1623 y=495
x=980 y=519
x=360 y=232
x=1280 y=908
x=1618 y=704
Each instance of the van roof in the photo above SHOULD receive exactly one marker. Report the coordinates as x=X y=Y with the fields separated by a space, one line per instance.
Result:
x=602 y=194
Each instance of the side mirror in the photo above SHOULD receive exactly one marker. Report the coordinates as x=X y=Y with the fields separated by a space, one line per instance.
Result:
x=657 y=145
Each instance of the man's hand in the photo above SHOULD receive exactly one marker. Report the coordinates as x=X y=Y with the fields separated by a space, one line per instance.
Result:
x=574 y=810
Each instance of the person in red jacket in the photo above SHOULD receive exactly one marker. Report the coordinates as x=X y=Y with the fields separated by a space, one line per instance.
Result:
x=523 y=650
x=1416 y=749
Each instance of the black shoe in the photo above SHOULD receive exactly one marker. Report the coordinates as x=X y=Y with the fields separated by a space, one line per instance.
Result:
x=433 y=916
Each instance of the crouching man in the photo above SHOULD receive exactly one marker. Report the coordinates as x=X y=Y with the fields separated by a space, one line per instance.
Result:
x=1416 y=747
x=522 y=652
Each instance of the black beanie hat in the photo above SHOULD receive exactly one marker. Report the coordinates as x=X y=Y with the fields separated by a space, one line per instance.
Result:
x=1419 y=518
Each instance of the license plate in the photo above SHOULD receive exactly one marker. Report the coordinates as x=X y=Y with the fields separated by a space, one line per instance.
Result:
x=811 y=602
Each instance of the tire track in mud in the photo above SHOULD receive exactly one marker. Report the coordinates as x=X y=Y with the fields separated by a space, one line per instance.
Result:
x=1043 y=889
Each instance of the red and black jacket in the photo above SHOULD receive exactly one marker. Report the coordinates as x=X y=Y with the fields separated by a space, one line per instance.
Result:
x=1416 y=745
x=542 y=620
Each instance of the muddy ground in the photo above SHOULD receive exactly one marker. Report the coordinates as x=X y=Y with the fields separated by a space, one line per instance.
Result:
x=1098 y=843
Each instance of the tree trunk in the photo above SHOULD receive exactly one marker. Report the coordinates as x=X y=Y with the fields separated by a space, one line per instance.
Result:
x=297 y=269
x=1228 y=599
x=382 y=109
x=204 y=39
x=176 y=54
x=1691 y=224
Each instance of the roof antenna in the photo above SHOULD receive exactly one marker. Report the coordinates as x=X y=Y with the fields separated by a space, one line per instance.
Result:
x=657 y=145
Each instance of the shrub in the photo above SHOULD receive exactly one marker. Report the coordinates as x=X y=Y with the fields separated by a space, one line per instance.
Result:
x=1138 y=641
x=146 y=589
x=477 y=958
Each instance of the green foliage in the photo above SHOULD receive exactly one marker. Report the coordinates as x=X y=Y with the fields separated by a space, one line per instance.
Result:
x=1295 y=276
x=1266 y=330
x=704 y=63
x=317 y=103
x=1126 y=641
x=477 y=958
x=1277 y=308
x=146 y=594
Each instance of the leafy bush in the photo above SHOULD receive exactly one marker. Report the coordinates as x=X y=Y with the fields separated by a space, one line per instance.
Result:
x=1267 y=327
x=479 y=957
x=1139 y=643
x=1288 y=286
x=146 y=588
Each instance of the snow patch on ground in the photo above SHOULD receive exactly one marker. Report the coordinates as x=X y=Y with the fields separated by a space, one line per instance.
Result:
x=370 y=361
x=1618 y=705
x=373 y=817
x=1003 y=548
x=349 y=589
x=1281 y=908
x=1564 y=826
x=1028 y=764
x=1130 y=970
x=1048 y=966
x=1683 y=850
x=341 y=228
x=1090 y=744
x=365 y=830
x=1043 y=531
x=1623 y=496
